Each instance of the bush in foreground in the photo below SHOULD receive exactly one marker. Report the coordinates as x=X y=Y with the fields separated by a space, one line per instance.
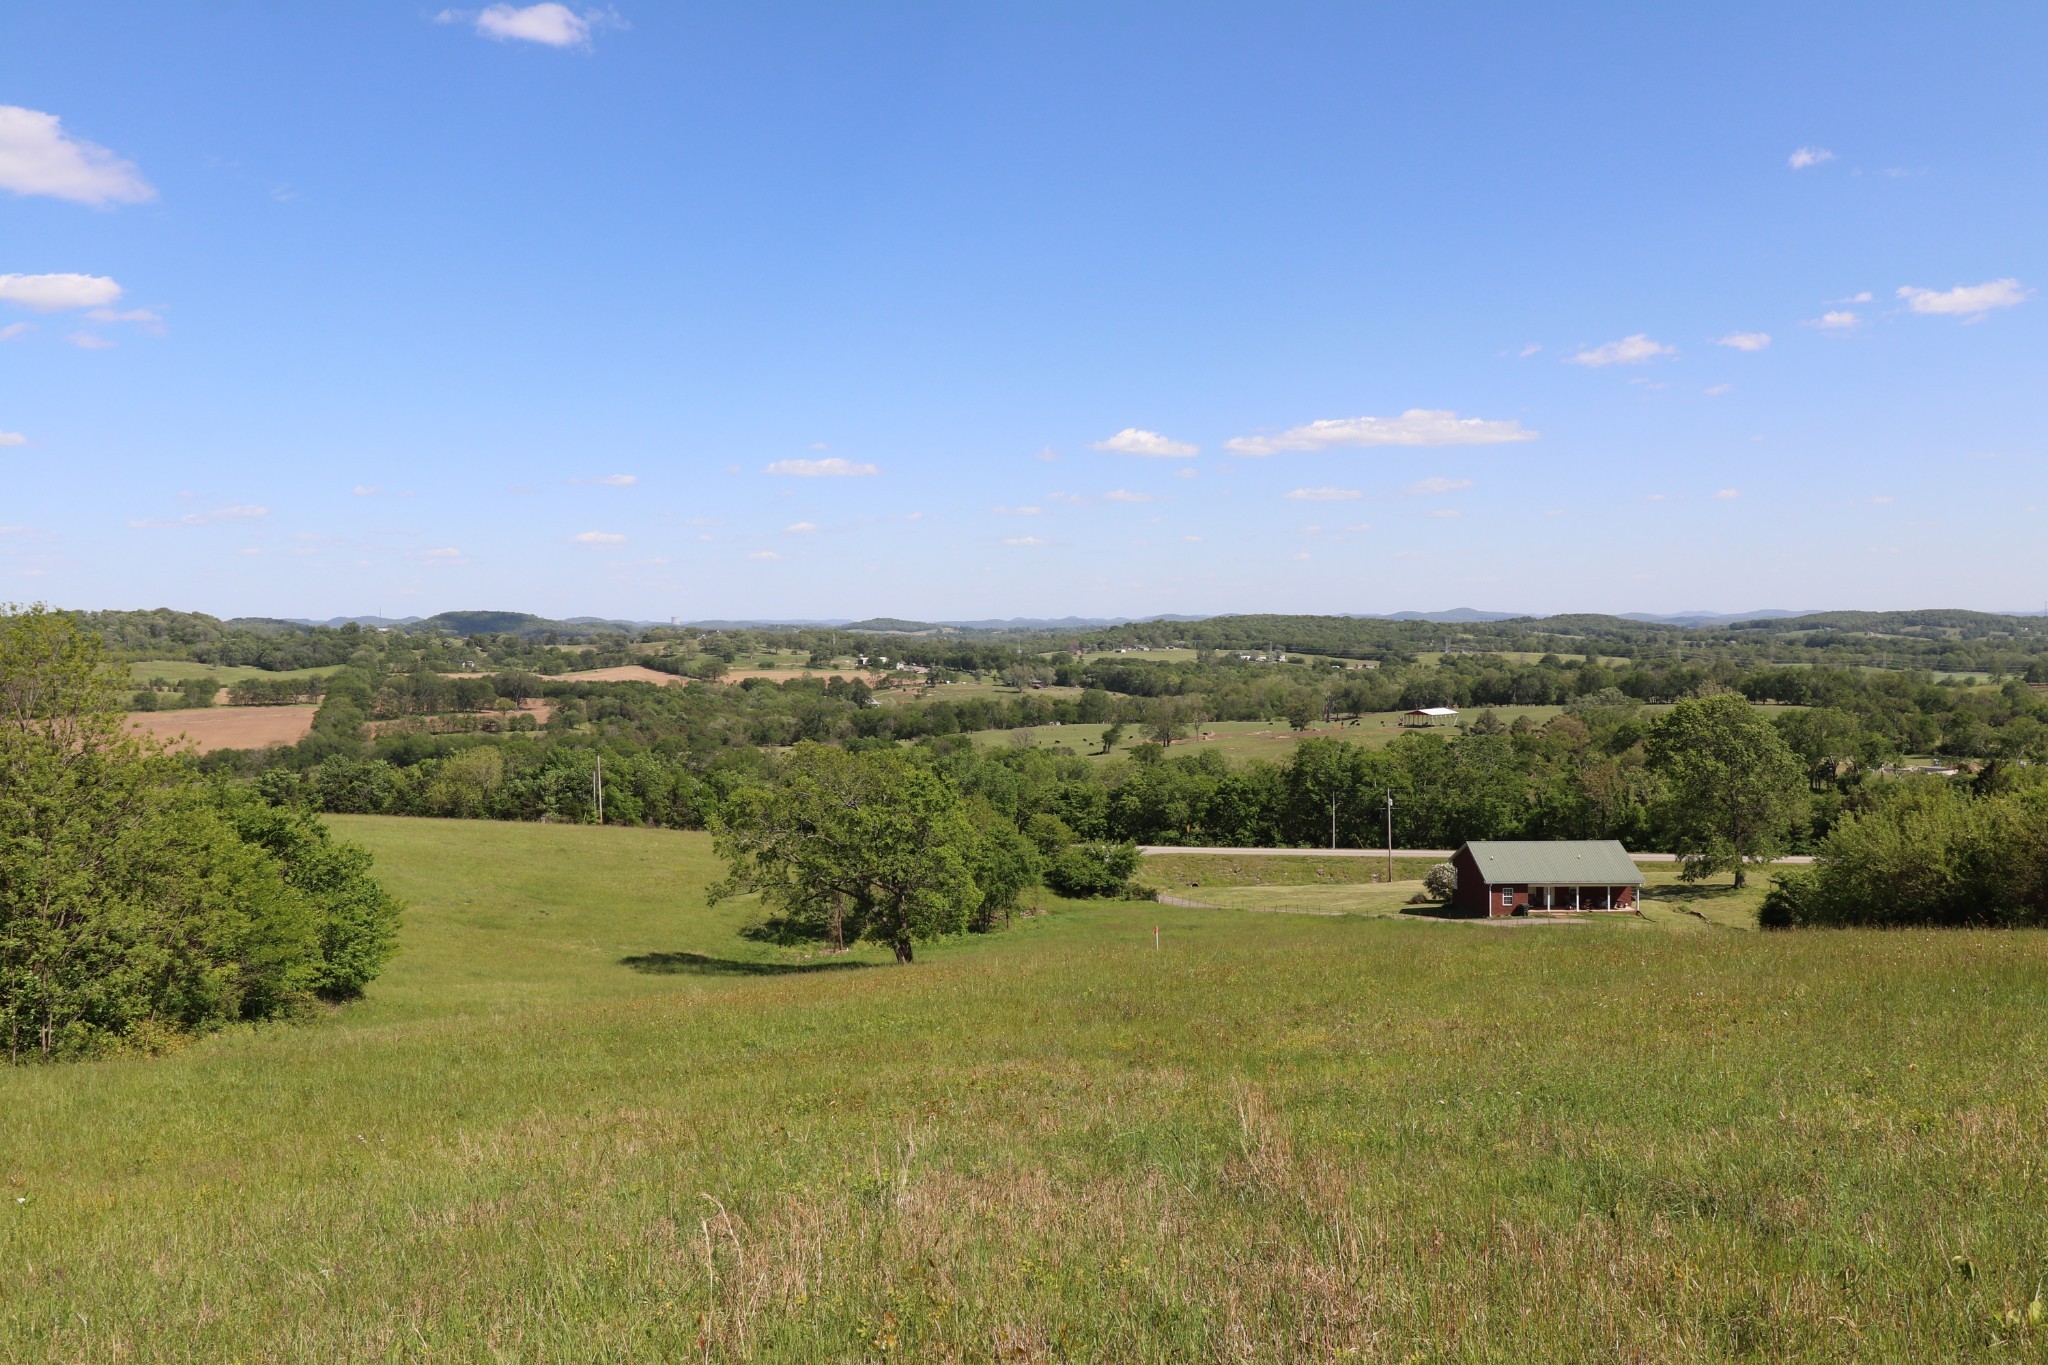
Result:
x=1929 y=854
x=138 y=903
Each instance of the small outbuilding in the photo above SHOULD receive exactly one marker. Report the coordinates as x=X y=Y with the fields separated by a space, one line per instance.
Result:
x=1429 y=715
x=1499 y=877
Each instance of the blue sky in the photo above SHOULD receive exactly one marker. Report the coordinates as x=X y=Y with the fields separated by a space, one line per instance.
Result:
x=821 y=310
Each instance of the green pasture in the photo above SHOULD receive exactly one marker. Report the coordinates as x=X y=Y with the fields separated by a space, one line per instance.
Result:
x=178 y=670
x=1357 y=886
x=583 y=1117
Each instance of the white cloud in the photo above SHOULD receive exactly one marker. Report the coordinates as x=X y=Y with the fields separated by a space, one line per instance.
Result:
x=1746 y=341
x=1426 y=487
x=617 y=480
x=1446 y=513
x=1415 y=427
x=1882 y=499
x=1532 y=348
x=1187 y=472
x=55 y=293
x=1359 y=526
x=598 y=538
x=445 y=554
x=763 y=554
x=148 y=319
x=235 y=512
x=1633 y=350
x=1070 y=499
x=1967 y=300
x=12 y=438
x=1192 y=540
x=1727 y=493
x=1047 y=454
x=1717 y=390
x=89 y=341
x=549 y=24
x=1836 y=320
x=38 y=157
x=1865 y=297
x=1126 y=495
x=364 y=490
x=1301 y=554
x=1026 y=541
x=1017 y=511
x=1808 y=156
x=800 y=528
x=1325 y=494
x=832 y=468
x=1137 y=441
x=15 y=329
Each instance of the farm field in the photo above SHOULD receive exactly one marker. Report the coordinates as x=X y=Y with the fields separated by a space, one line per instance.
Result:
x=583 y=1116
x=1343 y=886
x=622 y=673
x=227 y=727
x=178 y=670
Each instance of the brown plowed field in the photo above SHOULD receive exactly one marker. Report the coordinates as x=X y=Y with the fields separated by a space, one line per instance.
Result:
x=623 y=673
x=228 y=727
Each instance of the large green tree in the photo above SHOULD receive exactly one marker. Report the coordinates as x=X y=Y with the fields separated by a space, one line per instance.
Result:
x=137 y=903
x=1734 y=790
x=871 y=845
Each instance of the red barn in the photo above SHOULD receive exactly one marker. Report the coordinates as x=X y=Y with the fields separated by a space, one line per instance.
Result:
x=1544 y=876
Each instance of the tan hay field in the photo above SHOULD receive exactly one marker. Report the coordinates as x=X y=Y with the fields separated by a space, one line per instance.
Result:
x=232 y=727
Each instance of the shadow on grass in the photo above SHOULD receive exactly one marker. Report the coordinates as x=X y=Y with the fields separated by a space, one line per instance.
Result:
x=702 y=964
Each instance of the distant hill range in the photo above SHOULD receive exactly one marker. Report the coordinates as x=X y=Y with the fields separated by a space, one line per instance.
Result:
x=519 y=623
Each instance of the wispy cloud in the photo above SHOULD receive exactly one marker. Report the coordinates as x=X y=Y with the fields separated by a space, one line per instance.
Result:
x=800 y=528
x=364 y=490
x=1017 y=511
x=549 y=24
x=56 y=293
x=598 y=538
x=611 y=480
x=12 y=438
x=1746 y=341
x=1969 y=301
x=833 y=467
x=1807 y=157
x=1325 y=494
x=1836 y=320
x=1047 y=454
x=1429 y=487
x=1415 y=427
x=1716 y=390
x=1126 y=495
x=89 y=341
x=16 y=329
x=1138 y=441
x=1446 y=513
x=1726 y=493
x=763 y=554
x=1633 y=350
x=1027 y=542
x=38 y=157
x=235 y=512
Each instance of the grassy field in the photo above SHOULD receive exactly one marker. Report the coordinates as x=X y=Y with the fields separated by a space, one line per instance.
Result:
x=178 y=670
x=584 y=1117
x=1353 y=886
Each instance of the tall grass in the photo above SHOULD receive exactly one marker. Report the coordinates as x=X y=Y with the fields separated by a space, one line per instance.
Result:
x=584 y=1118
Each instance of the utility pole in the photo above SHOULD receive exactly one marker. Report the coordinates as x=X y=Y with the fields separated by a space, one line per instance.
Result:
x=1333 y=823
x=597 y=788
x=1390 y=834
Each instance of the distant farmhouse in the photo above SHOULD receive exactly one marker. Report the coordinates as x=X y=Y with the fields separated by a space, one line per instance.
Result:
x=1500 y=877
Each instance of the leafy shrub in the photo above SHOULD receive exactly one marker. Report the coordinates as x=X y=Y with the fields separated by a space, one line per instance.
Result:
x=1440 y=883
x=138 y=903
x=1929 y=853
x=1092 y=869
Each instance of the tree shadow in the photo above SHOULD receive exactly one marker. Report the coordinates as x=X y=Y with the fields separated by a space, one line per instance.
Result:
x=703 y=964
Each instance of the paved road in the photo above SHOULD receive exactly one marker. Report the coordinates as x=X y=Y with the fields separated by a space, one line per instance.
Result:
x=1150 y=850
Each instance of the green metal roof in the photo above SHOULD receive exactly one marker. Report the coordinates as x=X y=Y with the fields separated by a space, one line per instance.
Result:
x=1555 y=862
